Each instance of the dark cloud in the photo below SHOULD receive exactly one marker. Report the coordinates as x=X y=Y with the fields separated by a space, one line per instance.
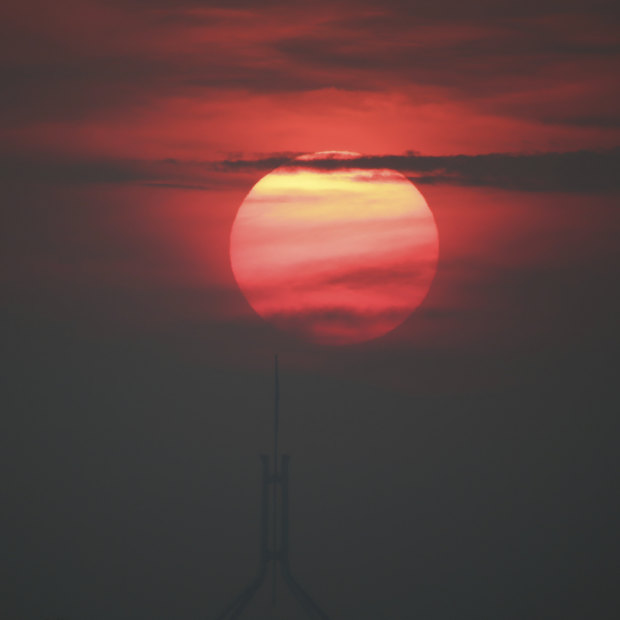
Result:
x=177 y=186
x=577 y=171
x=612 y=122
x=83 y=171
x=79 y=88
x=454 y=63
x=343 y=325
x=381 y=277
x=472 y=51
x=478 y=51
x=423 y=9
x=78 y=171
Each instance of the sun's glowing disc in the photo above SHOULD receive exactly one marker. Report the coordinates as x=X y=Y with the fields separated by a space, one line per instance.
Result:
x=334 y=253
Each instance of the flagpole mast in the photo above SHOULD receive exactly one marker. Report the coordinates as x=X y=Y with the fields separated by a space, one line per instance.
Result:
x=276 y=429
x=278 y=551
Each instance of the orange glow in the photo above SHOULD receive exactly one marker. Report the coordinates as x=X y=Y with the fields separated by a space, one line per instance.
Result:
x=336 y=256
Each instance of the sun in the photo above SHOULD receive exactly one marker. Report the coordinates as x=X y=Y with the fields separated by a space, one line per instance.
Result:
x=333 y=251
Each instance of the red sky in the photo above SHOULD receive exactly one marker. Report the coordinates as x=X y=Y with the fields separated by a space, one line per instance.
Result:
x=131 y=132
x=109 y=100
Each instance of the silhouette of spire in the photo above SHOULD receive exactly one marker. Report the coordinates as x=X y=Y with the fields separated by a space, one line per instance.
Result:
x=278 y=553
x=276 y=429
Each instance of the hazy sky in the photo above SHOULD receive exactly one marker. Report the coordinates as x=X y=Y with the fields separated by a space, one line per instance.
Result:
x=463 y=466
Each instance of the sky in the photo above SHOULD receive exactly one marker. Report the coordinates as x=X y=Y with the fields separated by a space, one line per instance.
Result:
x=464 y=465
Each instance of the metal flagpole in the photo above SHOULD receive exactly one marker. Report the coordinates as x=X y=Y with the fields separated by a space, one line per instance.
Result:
x=276 y=429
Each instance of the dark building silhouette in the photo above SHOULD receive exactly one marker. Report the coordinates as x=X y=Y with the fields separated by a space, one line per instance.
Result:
x=273 y=550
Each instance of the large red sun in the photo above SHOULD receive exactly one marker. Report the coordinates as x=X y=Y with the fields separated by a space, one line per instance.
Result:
x=335 y=254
